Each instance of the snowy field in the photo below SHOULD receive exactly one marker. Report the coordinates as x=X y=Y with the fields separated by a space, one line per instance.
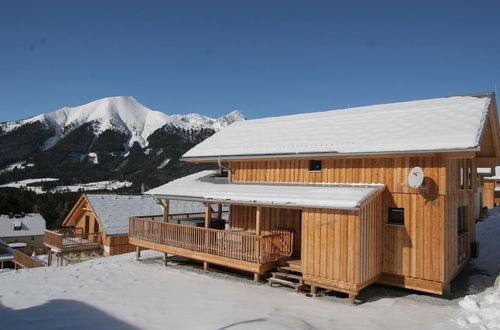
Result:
x=122 y=293
x=92 y=186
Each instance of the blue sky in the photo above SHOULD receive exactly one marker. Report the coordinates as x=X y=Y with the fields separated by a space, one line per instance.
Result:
x=265 y=58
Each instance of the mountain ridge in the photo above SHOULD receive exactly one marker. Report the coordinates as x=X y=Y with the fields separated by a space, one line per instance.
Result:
x=119 y=113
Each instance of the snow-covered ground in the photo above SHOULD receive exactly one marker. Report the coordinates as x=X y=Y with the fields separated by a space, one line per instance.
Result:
x=101 y=185
x=23 y=184
x=122 y=293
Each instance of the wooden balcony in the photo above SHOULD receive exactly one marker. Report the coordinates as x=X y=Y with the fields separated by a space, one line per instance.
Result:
x=71 y=239
x=25 y=261
x=245 y=251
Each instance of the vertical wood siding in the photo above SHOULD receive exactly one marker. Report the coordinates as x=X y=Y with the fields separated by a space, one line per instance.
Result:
x=424 y=248
x=243 y=218
x=489 y=194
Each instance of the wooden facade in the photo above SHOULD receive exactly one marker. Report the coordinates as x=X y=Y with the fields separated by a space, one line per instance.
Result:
x=348 y=249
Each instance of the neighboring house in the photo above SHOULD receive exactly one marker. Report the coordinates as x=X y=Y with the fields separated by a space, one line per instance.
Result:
x=100 y=221
x=23 y=231
x=6 y=253
x=334 y=195
x=490 y=186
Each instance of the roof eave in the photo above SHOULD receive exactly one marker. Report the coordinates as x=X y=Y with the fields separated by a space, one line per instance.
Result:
x=295 y=206
x=320 y=154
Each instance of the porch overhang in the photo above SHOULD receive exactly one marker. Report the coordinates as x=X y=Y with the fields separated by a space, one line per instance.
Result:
x=206 y=187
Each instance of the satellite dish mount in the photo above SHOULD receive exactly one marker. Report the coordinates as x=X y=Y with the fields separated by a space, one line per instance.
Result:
x=416 y=179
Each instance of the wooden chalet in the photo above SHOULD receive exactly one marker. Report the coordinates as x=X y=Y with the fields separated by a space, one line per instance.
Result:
x=489 y=182
x=100 y=222
x=326 y=195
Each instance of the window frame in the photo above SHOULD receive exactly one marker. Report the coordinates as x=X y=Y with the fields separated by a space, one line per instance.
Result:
x=313 y=168
x=390 y=220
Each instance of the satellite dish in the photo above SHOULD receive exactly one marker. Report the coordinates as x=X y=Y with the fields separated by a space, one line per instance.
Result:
x=416 y=177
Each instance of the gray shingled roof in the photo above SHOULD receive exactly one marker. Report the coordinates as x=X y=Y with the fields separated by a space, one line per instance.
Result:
x=32 y=224
x=113 y=211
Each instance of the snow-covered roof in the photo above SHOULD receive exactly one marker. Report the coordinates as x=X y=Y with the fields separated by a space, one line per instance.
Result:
x=113 y=211
x=496 y=176
x=32 y=224
x=204 y=186
x=441 y=124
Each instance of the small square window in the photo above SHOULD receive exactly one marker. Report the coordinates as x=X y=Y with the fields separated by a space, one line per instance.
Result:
x=315 y=165
x=32 y=238
x=396 y=216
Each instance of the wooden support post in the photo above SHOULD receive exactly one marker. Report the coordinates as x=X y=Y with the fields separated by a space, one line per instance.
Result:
x=165 y=258
x=352 y=298
x=49 y=259
x=137 y=252
x=314 y=290
x=166 y=210
x=205 y=265
x=256 y=277
x=258 y=226
x=219 y=210
x=258 y=220
x=208 y=215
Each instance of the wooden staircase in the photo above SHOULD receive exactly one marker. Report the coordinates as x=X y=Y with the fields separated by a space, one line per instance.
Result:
x=289 y=274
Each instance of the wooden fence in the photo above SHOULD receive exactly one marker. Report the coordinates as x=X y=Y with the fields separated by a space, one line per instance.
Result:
x=25 y=261
x=241 y=246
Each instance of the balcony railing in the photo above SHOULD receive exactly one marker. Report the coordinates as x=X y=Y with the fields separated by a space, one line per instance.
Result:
x=236 y=245
x=71 y=239
x=25 y=261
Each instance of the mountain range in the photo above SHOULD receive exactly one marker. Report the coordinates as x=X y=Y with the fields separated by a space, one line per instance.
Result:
x=110 y=138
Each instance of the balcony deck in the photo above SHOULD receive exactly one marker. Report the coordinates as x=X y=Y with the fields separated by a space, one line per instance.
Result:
x=239 y=250
x=71 y=240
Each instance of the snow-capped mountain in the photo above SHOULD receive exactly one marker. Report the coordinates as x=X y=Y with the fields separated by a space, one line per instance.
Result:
x=122 y=113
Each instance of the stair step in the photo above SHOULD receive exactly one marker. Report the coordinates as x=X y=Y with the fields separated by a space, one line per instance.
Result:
x=287 y=275
x=289 y=269
x=284 y=282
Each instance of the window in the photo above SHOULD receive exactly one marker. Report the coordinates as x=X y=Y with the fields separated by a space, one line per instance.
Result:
x=461 y=228
x=315 y=165
x=465 y=174
x=96 y=226
x=469 y=173
x=396 y=216
x=87 y=223
x=32 y=238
